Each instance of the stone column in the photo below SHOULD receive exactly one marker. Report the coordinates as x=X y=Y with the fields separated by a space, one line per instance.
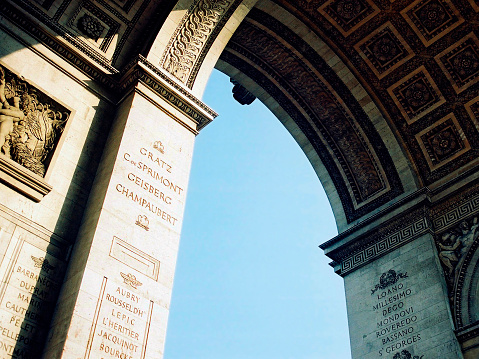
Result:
x=398 y=305
x=116 y=294
x=396 y=294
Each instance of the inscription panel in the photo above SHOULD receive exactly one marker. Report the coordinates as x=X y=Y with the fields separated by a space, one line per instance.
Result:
x=149 y=183
x=397 y=306
x=121 y=324
x=134 y=258
x=31 y=281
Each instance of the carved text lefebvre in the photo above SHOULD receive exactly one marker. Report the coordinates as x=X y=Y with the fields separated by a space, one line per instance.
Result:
x=27 y=300
x=30 y=123
x=149 y=183
x=395 y=319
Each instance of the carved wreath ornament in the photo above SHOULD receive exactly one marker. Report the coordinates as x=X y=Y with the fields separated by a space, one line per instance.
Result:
x=387 y=279
x=404 y=354
x=30 y=123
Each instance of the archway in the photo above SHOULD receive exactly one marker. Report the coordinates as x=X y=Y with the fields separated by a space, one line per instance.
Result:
x=256 y=271
x=382 y=96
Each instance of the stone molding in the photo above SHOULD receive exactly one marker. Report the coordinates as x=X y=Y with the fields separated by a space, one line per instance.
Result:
x=114 y=80
x=194 y=36
x=18 y=18
x=460 y=211
x=359 y=245
x=142 y=70
x=350 y=260
x=467 y=332
x=23 y=180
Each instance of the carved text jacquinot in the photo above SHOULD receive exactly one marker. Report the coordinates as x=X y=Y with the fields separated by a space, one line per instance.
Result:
x=30 y=123
x=186 y=45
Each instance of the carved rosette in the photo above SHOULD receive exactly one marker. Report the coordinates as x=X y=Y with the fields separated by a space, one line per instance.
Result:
x=192 y=35
x=30 y=123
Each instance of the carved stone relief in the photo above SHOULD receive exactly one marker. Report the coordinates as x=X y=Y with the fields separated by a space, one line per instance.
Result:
x=242 y=95
x=191 y=38
x=30 y=123
x=453 y=246
x=405 y=354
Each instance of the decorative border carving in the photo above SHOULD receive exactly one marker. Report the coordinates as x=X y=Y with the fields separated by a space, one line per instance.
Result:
x=442 y=142
x=460 y=211
x=194 y=36
x=416 y=95
x=384 y=245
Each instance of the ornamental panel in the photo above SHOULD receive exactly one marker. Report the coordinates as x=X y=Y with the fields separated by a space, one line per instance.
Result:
x=432 y=19
x=384 y=50
x=416 y=95
x=442 y=142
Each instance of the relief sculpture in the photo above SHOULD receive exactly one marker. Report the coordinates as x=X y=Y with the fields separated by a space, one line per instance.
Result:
x=454 y=244
x=30 y=123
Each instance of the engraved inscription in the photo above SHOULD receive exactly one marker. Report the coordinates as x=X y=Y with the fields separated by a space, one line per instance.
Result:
x=27 y=300
x=395 y=319
x=121 y=324
x=150 y=184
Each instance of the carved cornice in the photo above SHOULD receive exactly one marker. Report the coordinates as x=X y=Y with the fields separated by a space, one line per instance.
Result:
x=168 y=90
x=390 y=236
x=194 y=36
x=115 y=81
x=18 y=18
x=459 y=211
x=143 y=61
x=467 y=332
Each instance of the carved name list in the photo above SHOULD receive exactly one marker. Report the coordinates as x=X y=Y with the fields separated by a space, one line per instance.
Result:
x=120 y=328
x=27 y=297
x=149 y=183
x=395 y=318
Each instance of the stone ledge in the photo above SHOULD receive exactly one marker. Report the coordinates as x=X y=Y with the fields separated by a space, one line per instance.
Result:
x=22 y=180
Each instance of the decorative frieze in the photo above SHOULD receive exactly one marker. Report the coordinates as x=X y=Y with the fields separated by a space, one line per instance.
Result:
x=194 y=36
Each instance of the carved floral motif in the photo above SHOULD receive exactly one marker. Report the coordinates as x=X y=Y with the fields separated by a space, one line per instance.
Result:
x=90 y=26
x=30 y=123
x=192 y=35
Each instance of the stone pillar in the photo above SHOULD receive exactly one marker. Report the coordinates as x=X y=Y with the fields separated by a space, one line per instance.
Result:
x=399 y=303
x=396 y=294
x=116 y=294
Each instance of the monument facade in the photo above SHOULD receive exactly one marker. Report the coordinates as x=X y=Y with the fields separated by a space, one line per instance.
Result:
x=100 y=106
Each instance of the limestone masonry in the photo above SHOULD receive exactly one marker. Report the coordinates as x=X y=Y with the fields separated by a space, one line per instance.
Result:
x=100 y=103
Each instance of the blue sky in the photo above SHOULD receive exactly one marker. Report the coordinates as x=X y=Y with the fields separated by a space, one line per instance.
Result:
x=251 y=282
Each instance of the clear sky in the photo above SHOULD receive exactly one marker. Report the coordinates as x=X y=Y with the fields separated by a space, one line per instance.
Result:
x=251 y=282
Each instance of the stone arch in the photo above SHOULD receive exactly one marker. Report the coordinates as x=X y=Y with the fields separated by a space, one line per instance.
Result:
x=383 y=96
